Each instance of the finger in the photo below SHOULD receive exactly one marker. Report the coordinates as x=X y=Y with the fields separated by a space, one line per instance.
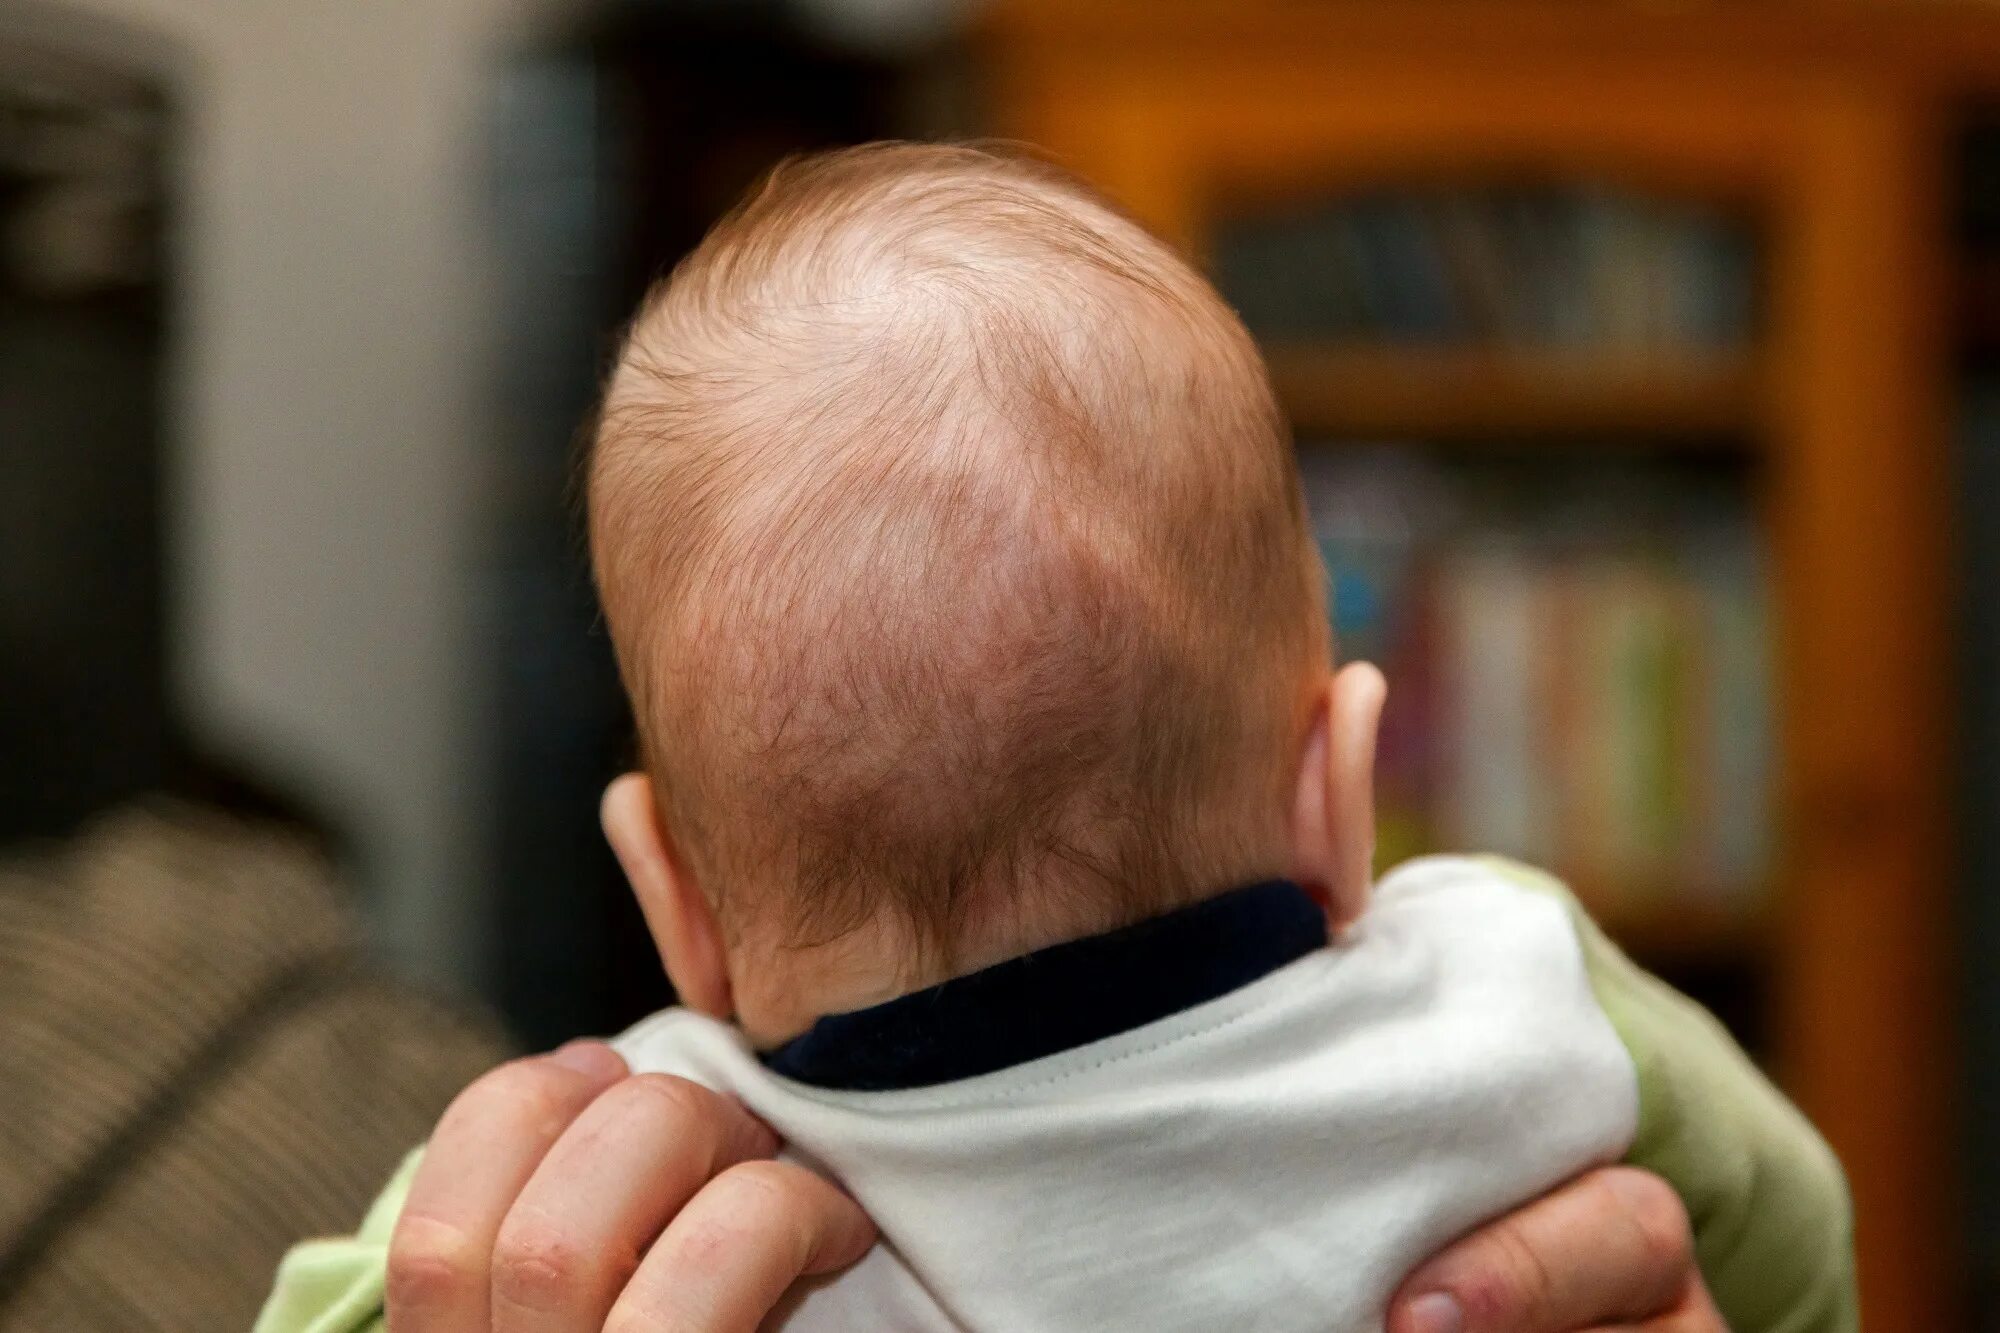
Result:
x=1612 y=1246
x=486 y=1146
x=724 y=1264
x=1696 y=1313
x=603 y=1194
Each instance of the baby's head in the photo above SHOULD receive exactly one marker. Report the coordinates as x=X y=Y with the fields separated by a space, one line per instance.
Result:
x=951 y=542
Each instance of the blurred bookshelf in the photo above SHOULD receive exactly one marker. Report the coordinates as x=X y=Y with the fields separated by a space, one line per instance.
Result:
x=1619 y=342
x=1487 y=312
x=1523 y=414
x=1578 y=645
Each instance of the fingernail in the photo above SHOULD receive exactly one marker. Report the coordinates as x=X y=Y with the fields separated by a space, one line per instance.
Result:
x=1434 y=1312
x=589 y=1057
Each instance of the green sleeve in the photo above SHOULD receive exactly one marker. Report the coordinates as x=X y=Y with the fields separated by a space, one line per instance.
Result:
x=1773 y=1226
x=336 y=1285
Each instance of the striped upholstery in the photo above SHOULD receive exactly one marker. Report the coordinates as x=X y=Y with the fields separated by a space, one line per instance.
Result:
x=195 y=1072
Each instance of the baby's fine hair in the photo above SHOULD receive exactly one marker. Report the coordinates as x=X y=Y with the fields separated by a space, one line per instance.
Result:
x=951 y=542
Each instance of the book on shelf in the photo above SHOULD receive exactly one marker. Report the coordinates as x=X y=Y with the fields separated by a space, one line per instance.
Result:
x=1579 y=669
x=1566 y=270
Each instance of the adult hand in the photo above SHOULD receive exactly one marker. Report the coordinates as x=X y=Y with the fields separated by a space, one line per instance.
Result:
x=562 y=1194
x=1609 y=1251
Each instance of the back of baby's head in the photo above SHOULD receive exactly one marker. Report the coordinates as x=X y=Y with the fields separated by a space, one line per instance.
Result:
x=951 y=543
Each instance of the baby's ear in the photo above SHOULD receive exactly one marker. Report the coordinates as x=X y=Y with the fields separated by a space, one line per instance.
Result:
x=682 y=921
x=1333 y=820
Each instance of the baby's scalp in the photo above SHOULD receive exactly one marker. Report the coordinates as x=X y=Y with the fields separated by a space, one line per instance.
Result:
x=951 y=544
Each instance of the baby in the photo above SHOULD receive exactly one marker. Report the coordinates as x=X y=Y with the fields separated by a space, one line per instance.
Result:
x=1006 y=828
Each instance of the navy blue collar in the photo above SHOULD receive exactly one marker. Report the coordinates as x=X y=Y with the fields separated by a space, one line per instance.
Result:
x=1059 y=998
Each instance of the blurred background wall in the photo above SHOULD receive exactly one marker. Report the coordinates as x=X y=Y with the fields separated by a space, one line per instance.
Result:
x=332 y=190
x=328 y=340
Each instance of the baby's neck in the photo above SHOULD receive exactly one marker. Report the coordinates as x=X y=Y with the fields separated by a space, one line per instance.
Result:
x=779 y=993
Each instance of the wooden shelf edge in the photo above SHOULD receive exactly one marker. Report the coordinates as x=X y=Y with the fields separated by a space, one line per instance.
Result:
x=1708 y=401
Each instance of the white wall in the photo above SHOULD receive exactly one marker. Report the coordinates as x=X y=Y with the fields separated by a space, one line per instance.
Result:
x=327 y=475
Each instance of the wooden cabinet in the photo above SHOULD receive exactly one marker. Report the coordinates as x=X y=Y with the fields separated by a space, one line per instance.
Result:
x=1828 y=124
